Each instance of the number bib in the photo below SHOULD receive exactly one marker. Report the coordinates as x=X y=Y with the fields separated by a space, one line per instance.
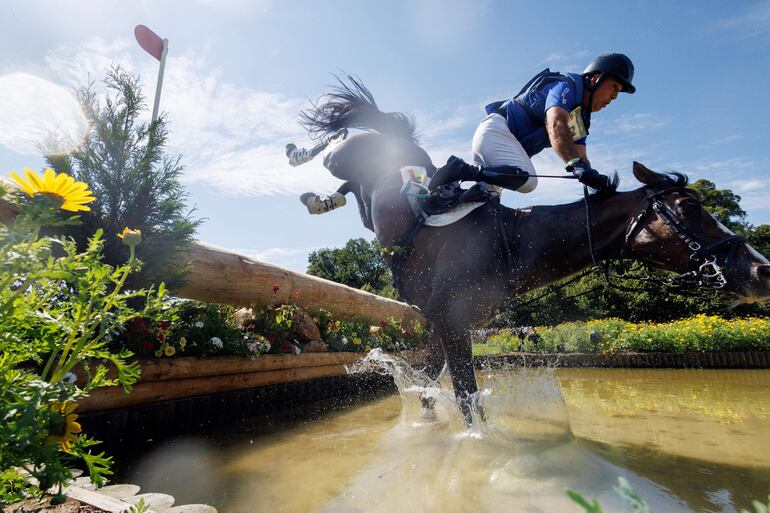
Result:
x=576 y=126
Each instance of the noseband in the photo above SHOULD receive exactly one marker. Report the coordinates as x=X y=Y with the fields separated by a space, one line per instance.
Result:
x=706 y=271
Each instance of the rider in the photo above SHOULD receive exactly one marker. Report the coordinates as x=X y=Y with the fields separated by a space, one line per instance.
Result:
x=551 y=110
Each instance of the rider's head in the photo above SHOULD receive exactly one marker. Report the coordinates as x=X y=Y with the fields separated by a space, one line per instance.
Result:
x=605 y=77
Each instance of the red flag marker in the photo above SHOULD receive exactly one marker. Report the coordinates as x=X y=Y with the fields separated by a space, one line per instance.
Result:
x=158 y=48
x=149 y=41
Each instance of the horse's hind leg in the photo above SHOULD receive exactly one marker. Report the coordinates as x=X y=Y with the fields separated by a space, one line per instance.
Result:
x=363 y=200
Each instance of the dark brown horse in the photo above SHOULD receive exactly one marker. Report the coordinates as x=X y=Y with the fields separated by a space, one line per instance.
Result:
x=460 y=274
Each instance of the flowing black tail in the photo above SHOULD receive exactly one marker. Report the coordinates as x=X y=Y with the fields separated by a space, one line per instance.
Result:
x=351 y=105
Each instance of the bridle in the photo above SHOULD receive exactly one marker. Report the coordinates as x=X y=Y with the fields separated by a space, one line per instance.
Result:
x=705 y=272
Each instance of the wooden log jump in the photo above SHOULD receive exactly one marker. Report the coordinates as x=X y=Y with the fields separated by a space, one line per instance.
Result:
x=217 y=275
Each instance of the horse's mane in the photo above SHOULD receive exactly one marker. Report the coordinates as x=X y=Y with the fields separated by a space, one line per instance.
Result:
x=657 y=181
x=351 y=105
x=666 y=180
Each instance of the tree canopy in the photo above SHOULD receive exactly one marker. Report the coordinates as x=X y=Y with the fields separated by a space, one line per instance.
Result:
x=358 y=264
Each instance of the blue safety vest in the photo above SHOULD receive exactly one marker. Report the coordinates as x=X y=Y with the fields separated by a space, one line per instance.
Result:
x=525 y=112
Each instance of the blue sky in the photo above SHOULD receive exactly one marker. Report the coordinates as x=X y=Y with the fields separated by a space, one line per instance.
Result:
x=238 y=71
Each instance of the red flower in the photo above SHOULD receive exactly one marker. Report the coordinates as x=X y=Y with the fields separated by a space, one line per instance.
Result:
x=384 y=324
x=148 y=346
x=164 y=325
x=139 y=322
x=276 y=288
x=161 y=336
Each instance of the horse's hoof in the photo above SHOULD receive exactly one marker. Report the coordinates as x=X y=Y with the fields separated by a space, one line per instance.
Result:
x=429 y=415
x=320 y=205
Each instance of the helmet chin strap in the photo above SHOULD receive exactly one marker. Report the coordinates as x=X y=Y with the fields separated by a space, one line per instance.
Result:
x=591 y=88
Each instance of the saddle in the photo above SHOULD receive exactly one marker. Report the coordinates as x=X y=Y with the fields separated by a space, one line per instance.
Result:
x=444 y=205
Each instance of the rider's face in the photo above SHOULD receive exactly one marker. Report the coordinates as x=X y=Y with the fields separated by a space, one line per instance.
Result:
x=606 y=93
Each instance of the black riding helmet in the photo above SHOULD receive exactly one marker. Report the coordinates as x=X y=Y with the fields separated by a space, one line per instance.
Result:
x=616 y=65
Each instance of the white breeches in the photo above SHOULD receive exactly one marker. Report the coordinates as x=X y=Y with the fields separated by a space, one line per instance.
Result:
x=494 y=145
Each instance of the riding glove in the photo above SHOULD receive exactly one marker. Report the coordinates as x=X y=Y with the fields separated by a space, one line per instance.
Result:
x=589 y=176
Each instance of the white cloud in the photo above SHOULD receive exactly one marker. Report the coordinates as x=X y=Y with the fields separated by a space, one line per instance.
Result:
x=574 y=62
x=753 y=22
x=37 y=110
x=751 y=186
x=231 y=138
x=287 y=258
x=639 y=123
x=726 y=139
x=445 y=23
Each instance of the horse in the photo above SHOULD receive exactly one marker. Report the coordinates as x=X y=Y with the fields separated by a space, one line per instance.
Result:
x=459 y=275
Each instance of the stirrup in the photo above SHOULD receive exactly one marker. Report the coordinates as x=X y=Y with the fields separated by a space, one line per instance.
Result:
x=322 y=204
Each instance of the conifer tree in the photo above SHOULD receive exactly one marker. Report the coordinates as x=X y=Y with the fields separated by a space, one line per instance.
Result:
x=136 y=183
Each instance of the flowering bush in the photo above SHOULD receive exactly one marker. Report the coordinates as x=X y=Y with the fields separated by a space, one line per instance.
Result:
x=699 y=333
x=191 y=328
x=389 y=335
x=58 y=309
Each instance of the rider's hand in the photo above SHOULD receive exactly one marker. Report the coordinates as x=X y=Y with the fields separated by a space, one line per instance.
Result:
x=589 y=176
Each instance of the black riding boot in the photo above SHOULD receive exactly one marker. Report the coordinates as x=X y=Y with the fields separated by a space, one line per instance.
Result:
x=456 y=169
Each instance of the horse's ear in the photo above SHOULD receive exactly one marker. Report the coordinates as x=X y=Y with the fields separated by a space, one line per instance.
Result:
x=645 y=175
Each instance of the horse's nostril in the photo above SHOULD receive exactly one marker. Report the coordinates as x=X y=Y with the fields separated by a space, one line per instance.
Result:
x=763 y=272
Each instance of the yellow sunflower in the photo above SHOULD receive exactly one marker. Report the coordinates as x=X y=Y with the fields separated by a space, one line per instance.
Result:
x=63 y=429
x=73 y=195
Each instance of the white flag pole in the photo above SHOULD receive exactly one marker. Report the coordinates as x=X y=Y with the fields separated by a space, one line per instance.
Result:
x=160 y=80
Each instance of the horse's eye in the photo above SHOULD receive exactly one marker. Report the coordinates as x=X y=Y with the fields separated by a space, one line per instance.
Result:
x=689 y=206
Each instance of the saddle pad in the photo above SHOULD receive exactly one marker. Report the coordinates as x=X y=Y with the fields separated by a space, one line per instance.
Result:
x=450 y=216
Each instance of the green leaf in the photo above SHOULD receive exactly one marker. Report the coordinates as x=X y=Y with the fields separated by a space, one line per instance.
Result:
x=629 y=494
x=590 y=507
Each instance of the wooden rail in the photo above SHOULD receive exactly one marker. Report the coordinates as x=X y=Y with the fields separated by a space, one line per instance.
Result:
x=177 y=378
x=217 y=275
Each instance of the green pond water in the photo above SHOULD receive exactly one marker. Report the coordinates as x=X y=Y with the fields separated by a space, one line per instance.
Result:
x=686 y=440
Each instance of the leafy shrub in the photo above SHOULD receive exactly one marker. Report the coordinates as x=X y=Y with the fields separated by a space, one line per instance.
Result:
x=58 y=309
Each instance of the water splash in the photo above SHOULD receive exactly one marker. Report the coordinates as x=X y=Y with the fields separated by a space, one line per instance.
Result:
x=517 y=404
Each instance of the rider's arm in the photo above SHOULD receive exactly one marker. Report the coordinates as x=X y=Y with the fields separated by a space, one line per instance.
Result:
x=581 y=149
x=557 y=126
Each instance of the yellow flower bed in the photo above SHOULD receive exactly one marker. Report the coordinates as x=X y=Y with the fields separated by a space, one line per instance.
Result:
x=699 y=333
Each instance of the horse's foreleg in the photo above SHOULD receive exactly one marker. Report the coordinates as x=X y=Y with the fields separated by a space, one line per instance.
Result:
x=457 y=343
x=434 y=364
